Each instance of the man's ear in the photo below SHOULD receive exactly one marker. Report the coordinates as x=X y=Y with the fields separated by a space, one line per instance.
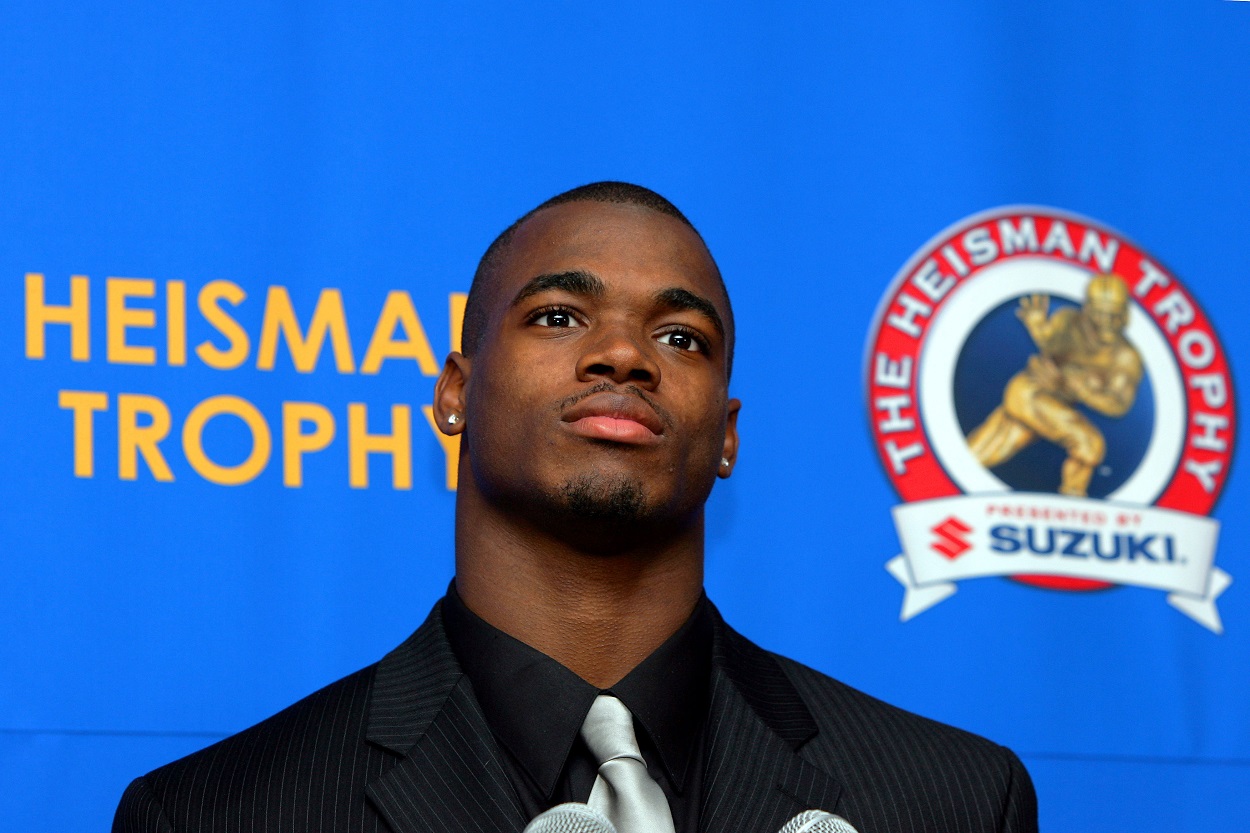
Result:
x=449 y=394
x=729 y=452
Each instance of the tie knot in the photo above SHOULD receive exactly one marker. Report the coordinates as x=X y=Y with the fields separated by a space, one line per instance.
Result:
x=609 y=730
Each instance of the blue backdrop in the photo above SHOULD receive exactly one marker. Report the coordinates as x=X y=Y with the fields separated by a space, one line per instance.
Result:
x=223 y=151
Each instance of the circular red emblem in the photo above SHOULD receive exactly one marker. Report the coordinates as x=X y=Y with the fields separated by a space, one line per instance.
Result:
x=1028 y=349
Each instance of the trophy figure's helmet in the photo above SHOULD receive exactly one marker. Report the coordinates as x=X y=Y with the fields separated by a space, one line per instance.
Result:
x=1106 y=305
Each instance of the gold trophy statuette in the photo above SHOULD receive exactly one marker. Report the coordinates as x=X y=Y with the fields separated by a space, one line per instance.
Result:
x=1083 y=358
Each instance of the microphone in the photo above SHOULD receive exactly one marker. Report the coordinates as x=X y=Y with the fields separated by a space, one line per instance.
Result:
x=818 y=821
x=574 y=817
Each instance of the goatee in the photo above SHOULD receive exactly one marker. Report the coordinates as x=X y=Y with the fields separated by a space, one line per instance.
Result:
x=618 y=501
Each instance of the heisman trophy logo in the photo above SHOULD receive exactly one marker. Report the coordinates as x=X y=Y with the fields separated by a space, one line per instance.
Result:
x=1051 y=405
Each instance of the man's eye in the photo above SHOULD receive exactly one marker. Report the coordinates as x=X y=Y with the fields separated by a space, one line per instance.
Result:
x=556 y=318
x=681 y=340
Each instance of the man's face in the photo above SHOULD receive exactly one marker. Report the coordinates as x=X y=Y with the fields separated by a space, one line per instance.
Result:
x=599 y=391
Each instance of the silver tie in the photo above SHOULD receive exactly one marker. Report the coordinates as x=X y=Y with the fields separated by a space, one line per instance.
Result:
x=624 y=791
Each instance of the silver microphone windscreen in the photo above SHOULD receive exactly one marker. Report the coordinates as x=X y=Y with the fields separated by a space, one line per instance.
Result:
x=570 y=818
x=818 y=821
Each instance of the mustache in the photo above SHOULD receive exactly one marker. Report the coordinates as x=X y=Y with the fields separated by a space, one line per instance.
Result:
x=608 y=387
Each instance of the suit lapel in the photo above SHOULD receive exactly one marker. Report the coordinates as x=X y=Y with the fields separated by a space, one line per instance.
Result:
x=755 y=781
x=449 y=778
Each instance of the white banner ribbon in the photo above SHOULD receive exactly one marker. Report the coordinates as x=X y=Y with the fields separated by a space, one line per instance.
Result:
x=973 y=536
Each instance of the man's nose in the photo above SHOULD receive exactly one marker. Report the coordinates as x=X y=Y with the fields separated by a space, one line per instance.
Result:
x=619 y=356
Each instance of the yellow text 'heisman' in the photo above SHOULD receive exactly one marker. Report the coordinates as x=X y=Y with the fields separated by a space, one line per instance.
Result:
x=397 y=332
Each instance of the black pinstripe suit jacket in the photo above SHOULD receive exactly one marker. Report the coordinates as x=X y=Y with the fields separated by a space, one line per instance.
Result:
x=402 y=747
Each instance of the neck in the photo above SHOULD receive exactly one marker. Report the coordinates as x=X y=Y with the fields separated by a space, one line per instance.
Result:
x=597 y=614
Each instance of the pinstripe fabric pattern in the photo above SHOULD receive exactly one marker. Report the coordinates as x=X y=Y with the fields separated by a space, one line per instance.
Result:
x=403 y=747
x=883 y=769
x=753 y=780
x=304 y=769
x=451 y=779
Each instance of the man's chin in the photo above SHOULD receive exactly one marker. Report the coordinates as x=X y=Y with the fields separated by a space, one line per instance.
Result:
x=615 y=501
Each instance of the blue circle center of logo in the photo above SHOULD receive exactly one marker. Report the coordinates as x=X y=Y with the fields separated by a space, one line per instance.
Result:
x=996 y=350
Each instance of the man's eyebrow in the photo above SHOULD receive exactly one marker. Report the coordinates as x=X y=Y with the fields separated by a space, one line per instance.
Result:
x=678 y=299
x=576 y=282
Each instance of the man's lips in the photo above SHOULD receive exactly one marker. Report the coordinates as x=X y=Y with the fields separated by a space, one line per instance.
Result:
x=615 y=417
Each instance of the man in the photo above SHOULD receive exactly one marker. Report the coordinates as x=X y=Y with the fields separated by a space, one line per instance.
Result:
x=1084 y=359
x=592 y=402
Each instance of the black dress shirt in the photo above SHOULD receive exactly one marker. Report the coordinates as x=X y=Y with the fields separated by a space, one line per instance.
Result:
x=535 y=708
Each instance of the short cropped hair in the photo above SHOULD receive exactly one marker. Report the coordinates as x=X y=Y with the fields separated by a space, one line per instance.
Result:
x=475 y=312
